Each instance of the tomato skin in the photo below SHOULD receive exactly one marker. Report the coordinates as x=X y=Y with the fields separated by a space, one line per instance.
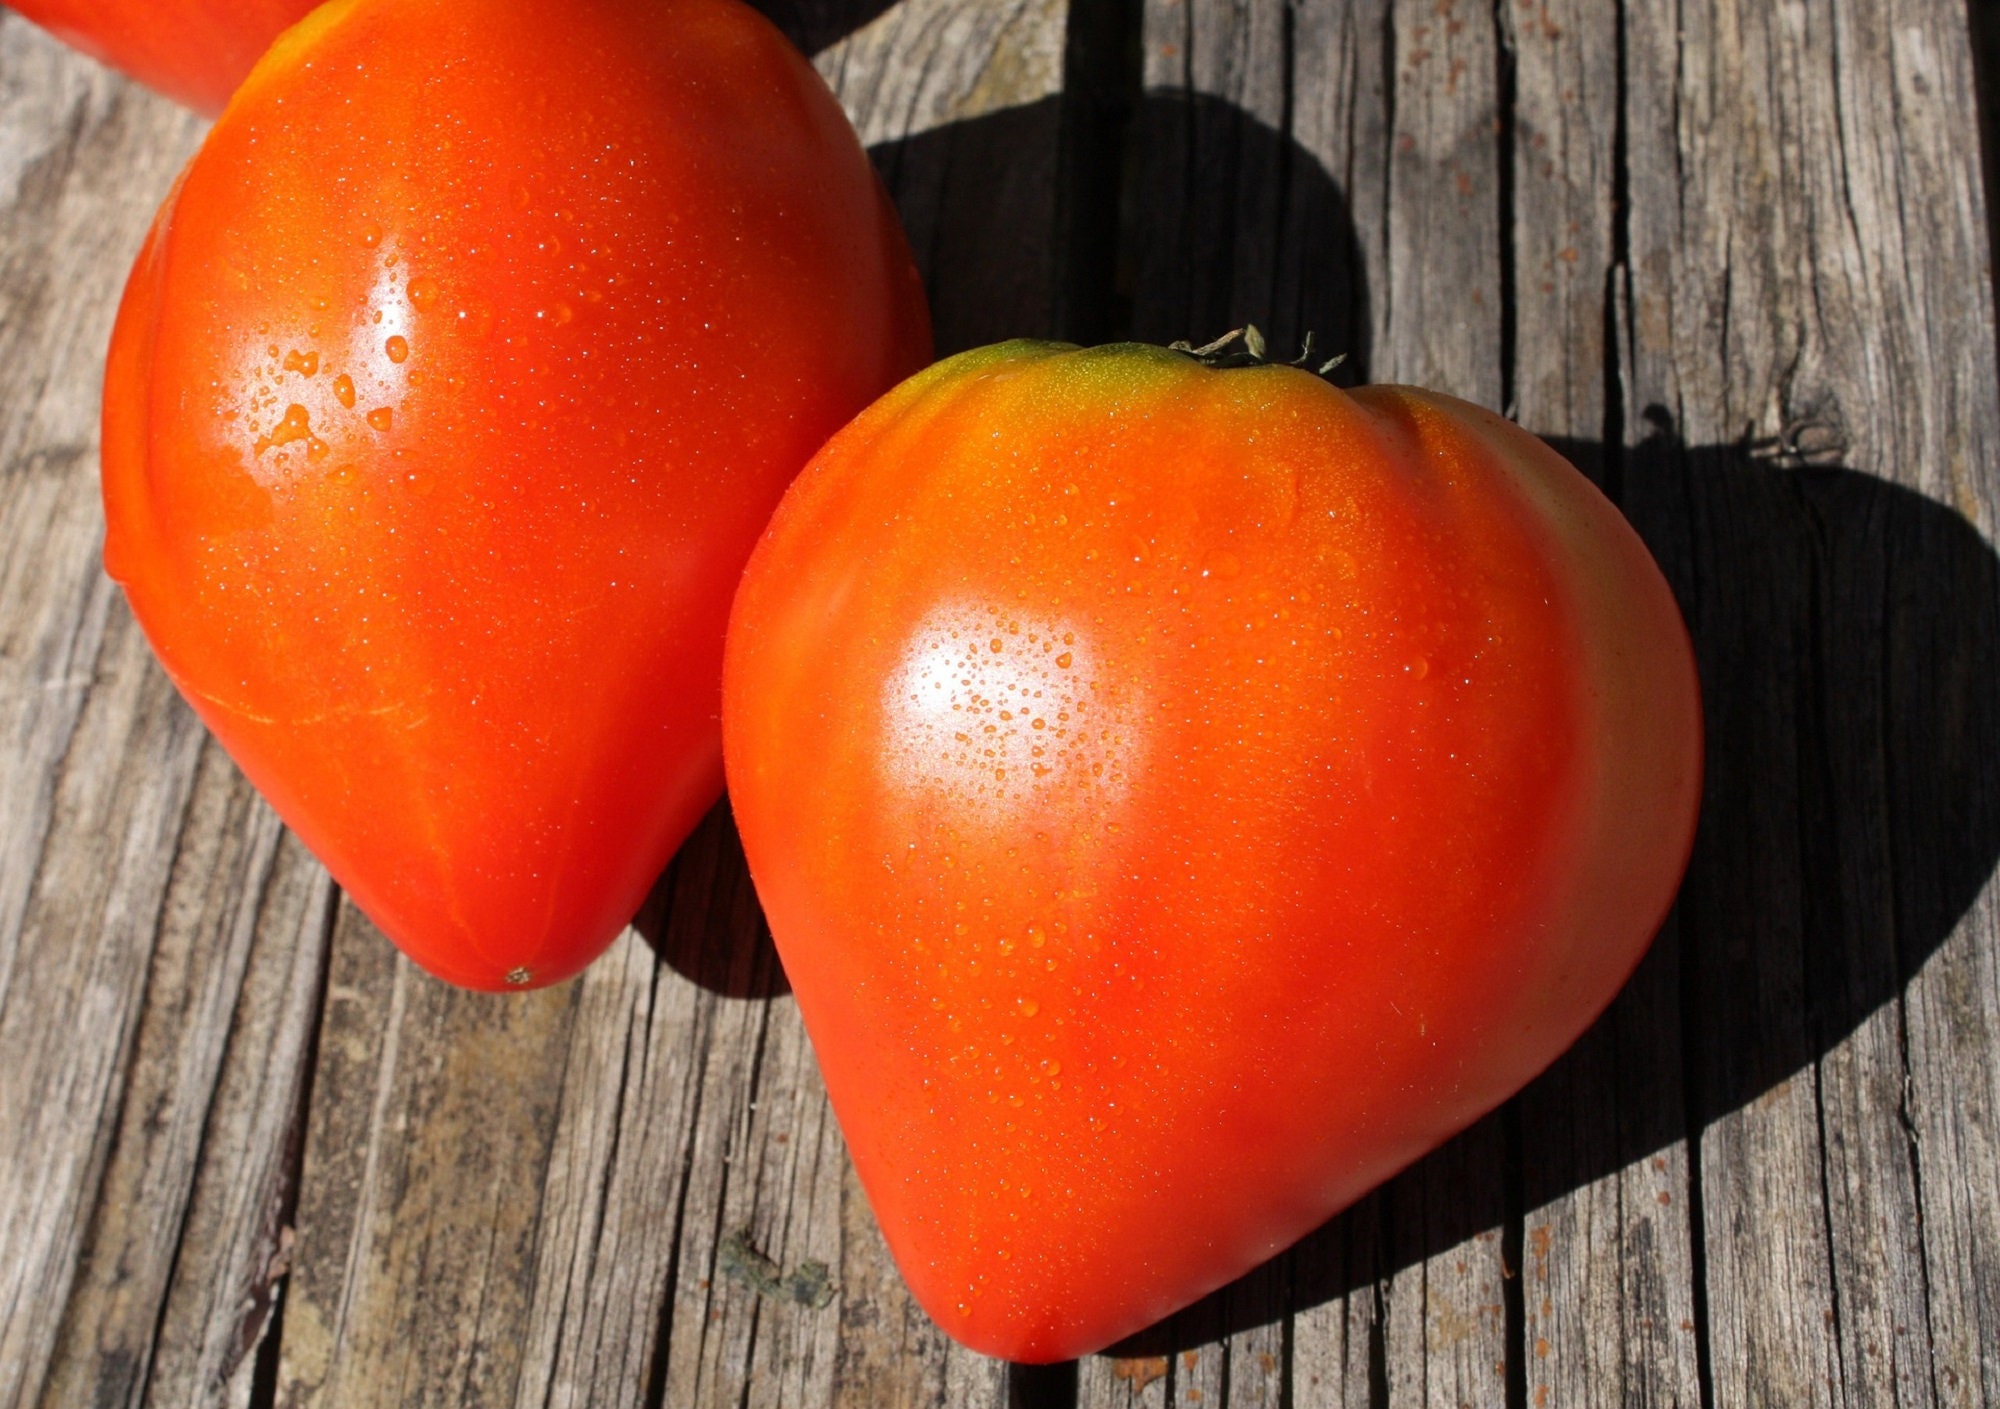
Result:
x=194 y=51
x=456 y=380
x=1183 y=797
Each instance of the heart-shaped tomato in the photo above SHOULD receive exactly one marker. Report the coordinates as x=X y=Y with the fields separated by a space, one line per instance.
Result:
x=452 y=388
x=1182 y=797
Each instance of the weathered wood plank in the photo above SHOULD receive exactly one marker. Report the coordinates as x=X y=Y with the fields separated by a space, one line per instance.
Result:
x=1799 y=205
x=540 y=1201
x=1445 y=1326
x=432 y=1115
x=1256 y=125
x=1606 y=1257
x=1338 y=1289
x=158 y=937
x=178 y=1275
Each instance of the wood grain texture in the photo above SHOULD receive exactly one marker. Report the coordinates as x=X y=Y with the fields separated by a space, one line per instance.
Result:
x=179 y=1273
x=1781 y=274
x=1446 y=1334
x=1605 y=1248
x=1731 y=259
x=158 y=936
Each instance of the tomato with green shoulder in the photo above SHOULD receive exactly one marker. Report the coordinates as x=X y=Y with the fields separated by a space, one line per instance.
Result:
x=1182 y=796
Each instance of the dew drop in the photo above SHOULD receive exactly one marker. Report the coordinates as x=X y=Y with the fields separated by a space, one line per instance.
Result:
x=343 y=390
x=297 y=425
x=474 y=321
x=1063 y=661
x=423 y=293
x=306 y=364
x=371 y=234
x=1029 y=1007
x=397 y=347
x=380 y=418
x=1418 y=668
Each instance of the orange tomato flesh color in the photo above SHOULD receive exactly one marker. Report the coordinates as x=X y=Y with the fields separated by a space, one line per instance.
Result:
x=1168 y=797
x=194 y=51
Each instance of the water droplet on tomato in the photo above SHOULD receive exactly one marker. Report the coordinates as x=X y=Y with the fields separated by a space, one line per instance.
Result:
x=343 y=390
x=380 y=418
x=296 y=426
x=423 y=293
x=306 y=364
x=1029 y=1007
x=1418 y=668
x=397 y=347
x=475 y=320
x=371 y=234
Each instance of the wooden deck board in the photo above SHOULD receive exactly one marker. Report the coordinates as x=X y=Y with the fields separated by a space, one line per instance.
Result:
x=249 y=1156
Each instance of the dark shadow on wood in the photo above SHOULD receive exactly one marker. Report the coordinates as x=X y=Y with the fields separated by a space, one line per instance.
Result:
x=703 y=920
x=1042 y=1386
x=1848 y=634
x=1243 y=225
x=1262 y=232
x=814 y=25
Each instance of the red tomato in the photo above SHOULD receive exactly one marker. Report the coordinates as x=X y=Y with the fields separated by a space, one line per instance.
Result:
x=194 y=51
x=1181 y=798
x=451 y=390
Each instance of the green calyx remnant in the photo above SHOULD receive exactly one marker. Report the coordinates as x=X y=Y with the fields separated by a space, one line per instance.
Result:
x=808 y=1285
x=1244 y=347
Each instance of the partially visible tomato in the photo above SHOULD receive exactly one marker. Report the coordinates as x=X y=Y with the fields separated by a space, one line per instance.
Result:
x=194 y=51
x=1181 y=797
x=450 y=392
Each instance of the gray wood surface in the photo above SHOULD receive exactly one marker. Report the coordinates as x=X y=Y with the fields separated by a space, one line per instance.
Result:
x=1731 y=259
